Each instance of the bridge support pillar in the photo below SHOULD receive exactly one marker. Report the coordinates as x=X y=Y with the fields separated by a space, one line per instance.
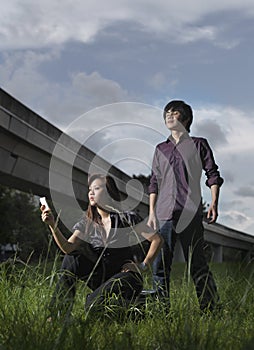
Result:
x=217 y=253
x=246 y=256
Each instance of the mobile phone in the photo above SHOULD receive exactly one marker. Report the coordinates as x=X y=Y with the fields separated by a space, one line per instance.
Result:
x=44 y=202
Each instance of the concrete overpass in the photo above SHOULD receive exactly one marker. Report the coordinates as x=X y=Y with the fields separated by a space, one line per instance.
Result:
x=224 y=243
x=27 y=144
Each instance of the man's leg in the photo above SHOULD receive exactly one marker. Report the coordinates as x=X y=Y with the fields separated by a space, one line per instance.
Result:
x=192 y=240
x=126 y=286
x=163 y=261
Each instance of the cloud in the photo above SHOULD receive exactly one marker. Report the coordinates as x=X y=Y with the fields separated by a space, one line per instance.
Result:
x=192 y=34
x=226 y=126
x=245 y=191
x=123 y=133
x=94 y=86
x=60 y=102
x=229 y=205
x=213 y=131
x=26 y=24
x=228 y=175
x=236 y=219
x=157 y=80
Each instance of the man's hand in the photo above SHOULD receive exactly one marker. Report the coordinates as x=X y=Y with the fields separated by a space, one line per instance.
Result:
x=212 y=213
x=152 y=222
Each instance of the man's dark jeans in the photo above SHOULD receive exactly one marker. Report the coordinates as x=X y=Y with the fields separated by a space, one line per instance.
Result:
x=192 y=242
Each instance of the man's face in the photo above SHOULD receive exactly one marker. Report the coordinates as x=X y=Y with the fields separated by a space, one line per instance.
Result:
x=173 y=120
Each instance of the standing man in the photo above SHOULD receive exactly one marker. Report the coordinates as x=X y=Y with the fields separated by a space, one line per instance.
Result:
x=176 y=203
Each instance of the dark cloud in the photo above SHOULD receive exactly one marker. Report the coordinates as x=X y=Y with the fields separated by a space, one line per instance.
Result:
x=213 y=131
x=245 y=191
x=228 y=176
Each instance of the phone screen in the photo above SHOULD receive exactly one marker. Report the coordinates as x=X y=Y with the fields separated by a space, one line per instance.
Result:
x=43 y=201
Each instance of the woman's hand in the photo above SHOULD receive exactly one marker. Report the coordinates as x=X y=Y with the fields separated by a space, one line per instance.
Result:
x=47 y=216
x=67 y=246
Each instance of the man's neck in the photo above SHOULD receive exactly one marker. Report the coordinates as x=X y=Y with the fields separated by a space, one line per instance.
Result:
x=176 y=134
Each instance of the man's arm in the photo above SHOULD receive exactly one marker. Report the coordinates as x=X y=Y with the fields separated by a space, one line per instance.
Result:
x=152 y=220
x=212 y=213
x=214 y=180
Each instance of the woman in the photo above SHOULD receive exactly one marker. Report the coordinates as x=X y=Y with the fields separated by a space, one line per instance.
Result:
x=99 y=250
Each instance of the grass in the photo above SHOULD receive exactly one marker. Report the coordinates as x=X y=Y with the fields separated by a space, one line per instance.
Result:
x=25 y=291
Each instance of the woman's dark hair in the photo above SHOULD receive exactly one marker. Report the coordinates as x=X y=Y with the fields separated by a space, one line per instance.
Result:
x=183 y=108
x=113 y=192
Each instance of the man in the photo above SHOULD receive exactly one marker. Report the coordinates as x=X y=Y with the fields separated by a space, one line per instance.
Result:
x=176 y=203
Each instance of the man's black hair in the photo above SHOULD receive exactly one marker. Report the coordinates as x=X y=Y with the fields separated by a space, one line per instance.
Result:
x=183 y=108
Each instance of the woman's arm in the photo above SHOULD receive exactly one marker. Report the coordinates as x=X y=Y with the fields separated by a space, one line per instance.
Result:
x=67 y=246
x=156 y=242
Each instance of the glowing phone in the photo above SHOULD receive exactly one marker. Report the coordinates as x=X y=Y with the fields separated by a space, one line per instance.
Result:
x=44 y=202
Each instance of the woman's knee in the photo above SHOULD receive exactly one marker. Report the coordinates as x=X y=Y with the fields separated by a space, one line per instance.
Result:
x=69 y=263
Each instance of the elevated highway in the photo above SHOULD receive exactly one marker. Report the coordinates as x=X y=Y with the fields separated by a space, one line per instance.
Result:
x=39 y=158
x=27 y=145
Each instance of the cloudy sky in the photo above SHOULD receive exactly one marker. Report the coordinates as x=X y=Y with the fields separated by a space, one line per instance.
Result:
x=102 y=71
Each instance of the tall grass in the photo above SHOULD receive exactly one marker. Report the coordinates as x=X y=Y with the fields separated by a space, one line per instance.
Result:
x=25 y=292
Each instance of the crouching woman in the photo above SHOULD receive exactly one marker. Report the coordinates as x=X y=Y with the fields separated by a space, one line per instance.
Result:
x=99 y=250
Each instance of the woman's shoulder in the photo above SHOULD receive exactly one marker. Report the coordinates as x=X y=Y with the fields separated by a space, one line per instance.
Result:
x=81 y=224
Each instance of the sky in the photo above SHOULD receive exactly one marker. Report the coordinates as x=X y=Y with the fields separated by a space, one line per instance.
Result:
x=103 y=71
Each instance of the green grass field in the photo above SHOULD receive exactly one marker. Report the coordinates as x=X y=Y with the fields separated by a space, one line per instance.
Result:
x=25 y=292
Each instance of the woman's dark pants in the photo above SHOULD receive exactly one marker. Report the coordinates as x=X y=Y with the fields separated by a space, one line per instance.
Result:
x=125 y=285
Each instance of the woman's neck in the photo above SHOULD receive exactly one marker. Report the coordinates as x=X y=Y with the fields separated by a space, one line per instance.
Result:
x=105 y=220
x=103 y=213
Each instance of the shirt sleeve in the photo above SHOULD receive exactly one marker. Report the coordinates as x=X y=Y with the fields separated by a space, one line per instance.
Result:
x=153 y=187
x=210 y=167
x=80 y=225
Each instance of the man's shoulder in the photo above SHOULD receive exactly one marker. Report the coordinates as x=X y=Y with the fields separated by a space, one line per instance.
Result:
x=162 y=144
x=198 y=139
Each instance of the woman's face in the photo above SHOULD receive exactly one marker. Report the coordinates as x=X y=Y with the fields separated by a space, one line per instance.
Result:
x=97 y=194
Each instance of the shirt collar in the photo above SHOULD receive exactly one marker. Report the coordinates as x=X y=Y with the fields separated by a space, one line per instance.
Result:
x=184 y=136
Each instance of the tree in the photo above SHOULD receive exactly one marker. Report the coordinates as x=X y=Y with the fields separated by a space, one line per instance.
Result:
x=20 y=223
x=145 y=180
